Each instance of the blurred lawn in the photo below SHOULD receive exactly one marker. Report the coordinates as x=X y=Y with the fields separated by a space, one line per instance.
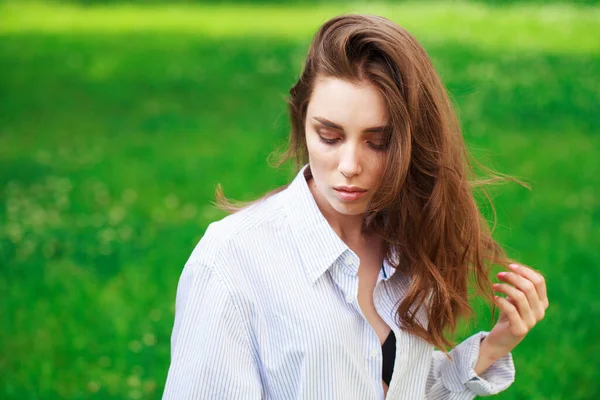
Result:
x=117 y=122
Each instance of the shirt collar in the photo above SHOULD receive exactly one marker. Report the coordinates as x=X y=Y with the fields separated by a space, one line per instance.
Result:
x=318 y=244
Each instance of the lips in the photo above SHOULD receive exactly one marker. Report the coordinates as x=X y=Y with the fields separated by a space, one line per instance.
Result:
x=350 y=189
x=348 y=195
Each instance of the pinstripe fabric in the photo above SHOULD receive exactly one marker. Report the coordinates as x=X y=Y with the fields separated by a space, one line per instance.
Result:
x=266 y=308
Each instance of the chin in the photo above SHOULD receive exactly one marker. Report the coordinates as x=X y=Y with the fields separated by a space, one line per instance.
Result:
x=347 y=208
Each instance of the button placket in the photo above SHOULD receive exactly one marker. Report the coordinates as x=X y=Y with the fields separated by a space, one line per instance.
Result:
x=349 y=260
x=346 y=281
x=374 y=352
x=350 y=263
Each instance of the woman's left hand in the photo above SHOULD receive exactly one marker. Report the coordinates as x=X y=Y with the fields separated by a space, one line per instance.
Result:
x=524 y=306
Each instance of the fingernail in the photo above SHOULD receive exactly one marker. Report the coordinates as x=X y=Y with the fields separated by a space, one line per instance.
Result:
x=501 y=274
x=513 y=266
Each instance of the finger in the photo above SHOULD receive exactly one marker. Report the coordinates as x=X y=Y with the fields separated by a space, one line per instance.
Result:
x=518 y=328
x=528 y=288
x=511 y=301
x=520 y=300
x=537 y=278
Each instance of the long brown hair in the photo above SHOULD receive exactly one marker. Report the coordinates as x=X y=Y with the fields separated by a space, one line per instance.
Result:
x=424 y=208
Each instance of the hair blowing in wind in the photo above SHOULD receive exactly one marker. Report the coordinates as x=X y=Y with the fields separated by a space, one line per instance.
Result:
x=424 y=207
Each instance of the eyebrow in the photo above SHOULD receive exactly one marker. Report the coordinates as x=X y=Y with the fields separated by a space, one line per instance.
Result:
x=333 y=125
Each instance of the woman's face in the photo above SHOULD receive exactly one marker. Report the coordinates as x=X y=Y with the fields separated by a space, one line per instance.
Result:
x=345 y=138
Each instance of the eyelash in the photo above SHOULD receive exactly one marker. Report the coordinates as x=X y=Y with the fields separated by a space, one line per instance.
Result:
x=331 y=142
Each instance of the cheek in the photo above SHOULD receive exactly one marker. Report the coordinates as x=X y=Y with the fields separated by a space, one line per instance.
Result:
x=311 y=144
x=378 y=165
x=375 y=167
x=319 y=152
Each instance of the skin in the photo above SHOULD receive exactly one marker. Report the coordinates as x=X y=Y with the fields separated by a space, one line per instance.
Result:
x=351 y=160
x=355 y=158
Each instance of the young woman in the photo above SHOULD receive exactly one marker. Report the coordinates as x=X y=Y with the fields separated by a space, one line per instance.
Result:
x=340 y=284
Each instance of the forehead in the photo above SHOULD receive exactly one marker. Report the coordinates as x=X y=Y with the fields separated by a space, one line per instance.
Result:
x=343 y=102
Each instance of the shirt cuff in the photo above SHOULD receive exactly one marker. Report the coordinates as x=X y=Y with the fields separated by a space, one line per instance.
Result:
x=459 y=374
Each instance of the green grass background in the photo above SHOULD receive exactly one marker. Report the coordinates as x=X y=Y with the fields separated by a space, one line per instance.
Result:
x=117 y=121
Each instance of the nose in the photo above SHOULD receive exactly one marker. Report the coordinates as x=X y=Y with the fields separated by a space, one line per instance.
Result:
x=349 y=164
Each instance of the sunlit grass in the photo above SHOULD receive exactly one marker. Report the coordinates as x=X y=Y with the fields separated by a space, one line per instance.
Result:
x=555 y=27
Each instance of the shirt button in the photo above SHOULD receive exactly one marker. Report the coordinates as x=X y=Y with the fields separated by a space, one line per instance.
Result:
x=374 y=352
x=349 y=298
x=349 y=260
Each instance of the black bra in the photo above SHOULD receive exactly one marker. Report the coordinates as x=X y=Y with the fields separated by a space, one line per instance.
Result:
x=388 y=350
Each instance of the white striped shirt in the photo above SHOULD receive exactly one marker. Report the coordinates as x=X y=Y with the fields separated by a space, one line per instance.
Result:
x=266 y=308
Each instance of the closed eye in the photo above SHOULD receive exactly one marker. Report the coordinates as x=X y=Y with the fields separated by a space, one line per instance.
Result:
x=327 y=141
x=377 y=147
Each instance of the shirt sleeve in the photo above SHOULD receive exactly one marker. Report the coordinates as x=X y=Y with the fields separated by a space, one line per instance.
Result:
x=212 y=355
x=457 y=380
